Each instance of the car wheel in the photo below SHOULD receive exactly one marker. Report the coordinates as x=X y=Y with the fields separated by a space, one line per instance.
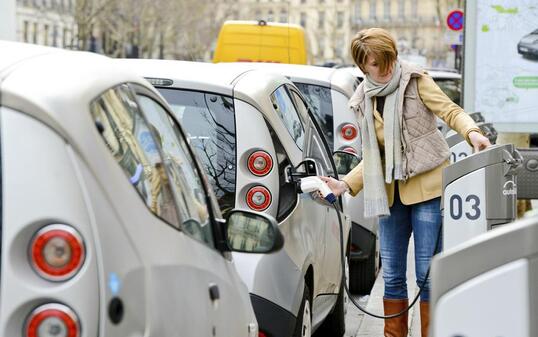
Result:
x=362 y=274
x=303 y=328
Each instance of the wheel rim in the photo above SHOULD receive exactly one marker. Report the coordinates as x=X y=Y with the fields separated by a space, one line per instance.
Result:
x=306 y=329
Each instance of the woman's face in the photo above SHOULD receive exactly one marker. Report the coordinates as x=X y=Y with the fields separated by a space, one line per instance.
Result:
x=372 y=69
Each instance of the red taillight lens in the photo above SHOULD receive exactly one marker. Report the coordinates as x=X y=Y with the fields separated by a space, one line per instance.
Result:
x=258 y=198
x=349 y=132
x=349 y=149
x=51 y=320
x=57 y=252
x=261 y=334
x=260 y=163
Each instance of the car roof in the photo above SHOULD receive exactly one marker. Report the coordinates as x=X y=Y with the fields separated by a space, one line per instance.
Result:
x=435 y=73
x=336 y=79
x=242 y=83
x=49 y=83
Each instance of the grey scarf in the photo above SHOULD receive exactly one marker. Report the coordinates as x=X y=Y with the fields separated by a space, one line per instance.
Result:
x=375 y=196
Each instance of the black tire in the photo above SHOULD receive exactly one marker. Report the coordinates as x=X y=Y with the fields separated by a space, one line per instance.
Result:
x=362 y=274
x=335 y=322
x=299 y=325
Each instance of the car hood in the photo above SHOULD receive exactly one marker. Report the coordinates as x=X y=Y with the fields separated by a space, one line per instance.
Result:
x=531 y=39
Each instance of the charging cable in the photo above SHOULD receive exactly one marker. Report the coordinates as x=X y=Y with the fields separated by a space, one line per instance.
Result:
x=313 y=184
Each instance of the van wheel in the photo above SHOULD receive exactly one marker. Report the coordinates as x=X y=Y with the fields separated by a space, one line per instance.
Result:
x=303 y=328
x=335 y=323
x=362 y=274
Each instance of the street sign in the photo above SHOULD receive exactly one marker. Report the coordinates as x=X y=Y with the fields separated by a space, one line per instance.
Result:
x=454 y=20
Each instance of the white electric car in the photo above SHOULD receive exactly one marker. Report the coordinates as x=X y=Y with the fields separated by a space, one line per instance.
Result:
x=255 y=138
x=327 y=91
x=108 y=226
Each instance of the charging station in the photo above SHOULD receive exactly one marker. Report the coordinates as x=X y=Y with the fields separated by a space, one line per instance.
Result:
x=479 y=193
x=488 y=286
x=460 y=149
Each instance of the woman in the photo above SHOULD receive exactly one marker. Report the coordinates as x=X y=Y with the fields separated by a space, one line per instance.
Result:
x=403 y=158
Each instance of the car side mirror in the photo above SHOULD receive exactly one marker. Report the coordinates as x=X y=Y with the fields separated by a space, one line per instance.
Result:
x=345 y=161
x=252 y=232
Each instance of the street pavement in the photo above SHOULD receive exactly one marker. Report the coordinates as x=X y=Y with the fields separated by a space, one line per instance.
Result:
x=359 y=324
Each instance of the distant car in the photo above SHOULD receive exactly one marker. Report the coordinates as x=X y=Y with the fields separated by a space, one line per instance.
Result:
x=328 y=90
x=528 y=46
x=108 y=225
x=254 y=135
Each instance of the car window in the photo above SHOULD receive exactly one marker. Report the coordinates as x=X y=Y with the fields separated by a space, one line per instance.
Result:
x=209 y=121
x=320 y=101
x=285 y=109
x=185 y=181
x=131 y=142
x=315 y=147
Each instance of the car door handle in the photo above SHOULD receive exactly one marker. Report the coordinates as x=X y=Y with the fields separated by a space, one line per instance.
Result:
x=214 y=293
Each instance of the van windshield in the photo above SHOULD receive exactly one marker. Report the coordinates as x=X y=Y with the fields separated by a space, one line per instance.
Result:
x=320 y=101
x=209 y=122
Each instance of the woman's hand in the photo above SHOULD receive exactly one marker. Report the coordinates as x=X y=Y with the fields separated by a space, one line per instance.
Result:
x=338 y=187
x=479 y=141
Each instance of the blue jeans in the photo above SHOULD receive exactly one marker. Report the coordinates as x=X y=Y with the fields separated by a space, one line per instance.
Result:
x=424 y=221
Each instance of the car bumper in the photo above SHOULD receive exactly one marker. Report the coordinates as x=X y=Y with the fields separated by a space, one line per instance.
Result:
x=362 y=241
x=527 y=50
x=273 y=320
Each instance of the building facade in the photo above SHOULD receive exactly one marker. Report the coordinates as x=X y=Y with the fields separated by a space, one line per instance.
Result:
x=46 y=22
x=418 y=26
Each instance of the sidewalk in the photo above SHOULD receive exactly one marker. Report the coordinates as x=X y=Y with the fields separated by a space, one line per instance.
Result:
x=373 y=327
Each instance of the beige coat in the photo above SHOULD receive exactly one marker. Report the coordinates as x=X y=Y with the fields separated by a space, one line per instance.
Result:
x=425 y=149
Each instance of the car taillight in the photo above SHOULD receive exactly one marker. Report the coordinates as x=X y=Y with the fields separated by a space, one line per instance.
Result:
x=260 y=163
x=57 y=252
x=349 y=132
x=258 y=198
x=261 y=334
x=349 y=149
x=51 y=320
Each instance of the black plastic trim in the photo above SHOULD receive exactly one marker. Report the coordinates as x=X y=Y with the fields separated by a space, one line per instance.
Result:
x=273 y=320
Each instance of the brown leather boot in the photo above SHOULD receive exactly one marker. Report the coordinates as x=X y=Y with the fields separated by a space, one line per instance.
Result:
x=397 y=326
x=424 y=318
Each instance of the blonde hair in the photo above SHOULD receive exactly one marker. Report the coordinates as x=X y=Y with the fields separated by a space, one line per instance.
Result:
x=377 y=43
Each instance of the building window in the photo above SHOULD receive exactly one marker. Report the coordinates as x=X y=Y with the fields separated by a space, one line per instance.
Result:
x=46 y=35
x=387 y=9
x=401 y=8
x=270 y=16
x=64 y=38
x=25 y=31
x=283 y=16
x=414 y=11
x=358 y=11
x=321 y=19
x=373 y=9
x=303 y=1
x=34 y=37
x=55 y=36
x=303 y=19
x=321 y=45
x=340 y=19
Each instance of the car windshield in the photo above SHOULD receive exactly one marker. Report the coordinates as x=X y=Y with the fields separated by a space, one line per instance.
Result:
x=209 y=121
x=451 y=87
x=320 y=101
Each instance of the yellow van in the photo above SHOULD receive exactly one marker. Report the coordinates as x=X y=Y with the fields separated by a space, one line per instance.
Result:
x=261 y=41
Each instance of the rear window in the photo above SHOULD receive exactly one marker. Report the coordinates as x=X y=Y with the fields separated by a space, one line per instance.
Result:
x=209 y=121
x=319 y=99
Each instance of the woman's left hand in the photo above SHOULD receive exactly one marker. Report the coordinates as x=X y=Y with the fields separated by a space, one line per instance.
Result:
x=479 y=141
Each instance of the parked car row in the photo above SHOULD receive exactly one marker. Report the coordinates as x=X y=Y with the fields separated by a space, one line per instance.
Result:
x=135 y=208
